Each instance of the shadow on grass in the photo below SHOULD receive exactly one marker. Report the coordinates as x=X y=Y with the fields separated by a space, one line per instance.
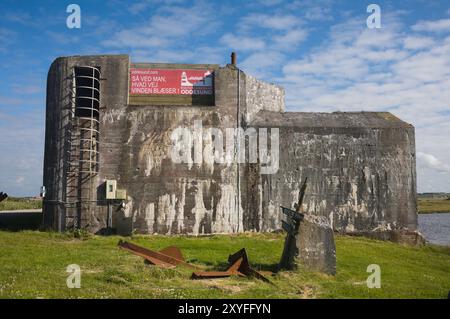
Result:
x=222 y=266
x=20 y=221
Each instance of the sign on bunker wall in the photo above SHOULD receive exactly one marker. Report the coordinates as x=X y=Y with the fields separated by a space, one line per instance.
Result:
x=144 y=81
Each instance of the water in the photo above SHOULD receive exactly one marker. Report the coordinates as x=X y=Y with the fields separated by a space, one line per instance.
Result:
x=435 y=228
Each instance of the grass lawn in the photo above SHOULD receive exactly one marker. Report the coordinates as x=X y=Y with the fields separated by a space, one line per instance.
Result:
x=33 y=265
x=433 y=205
x=17 y=203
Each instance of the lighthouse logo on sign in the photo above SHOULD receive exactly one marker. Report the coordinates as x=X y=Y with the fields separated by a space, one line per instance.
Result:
x=184 y=80
x=160 y=81
x=197 y=81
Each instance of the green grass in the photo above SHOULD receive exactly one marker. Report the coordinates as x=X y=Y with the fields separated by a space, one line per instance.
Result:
x=33 y=265
x=17 y=203
x=433 y=205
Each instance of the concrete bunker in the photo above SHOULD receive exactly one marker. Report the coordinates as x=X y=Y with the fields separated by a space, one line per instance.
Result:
x=115 y=126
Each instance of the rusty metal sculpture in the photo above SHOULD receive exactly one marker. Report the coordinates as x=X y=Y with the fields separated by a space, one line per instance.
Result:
x=291 y=226
x=309 y=241
x=3 y=196
x=238 y=266
x=168 y=257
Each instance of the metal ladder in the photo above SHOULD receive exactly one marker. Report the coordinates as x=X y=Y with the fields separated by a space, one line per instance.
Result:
x=82 y=155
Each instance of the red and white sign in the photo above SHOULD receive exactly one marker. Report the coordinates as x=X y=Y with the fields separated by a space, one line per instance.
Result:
x=166 y=81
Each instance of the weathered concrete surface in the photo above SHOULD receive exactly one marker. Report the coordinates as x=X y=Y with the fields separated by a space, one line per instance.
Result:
x=60 y=208
x=315 y=244
x=261 y=96
x=361 y=166
x=311 y=246
x=360 y=169
x=167 y=197
x=163 y=197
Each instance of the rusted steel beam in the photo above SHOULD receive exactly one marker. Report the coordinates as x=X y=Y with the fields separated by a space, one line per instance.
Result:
x=233 y=58
x=233 y=270
x=292 y=215
x=167 y=258
x=301 y=195
x=238 y=266
x=293 y=218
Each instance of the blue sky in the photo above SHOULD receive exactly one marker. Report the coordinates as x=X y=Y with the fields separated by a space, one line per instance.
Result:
x=322 y=52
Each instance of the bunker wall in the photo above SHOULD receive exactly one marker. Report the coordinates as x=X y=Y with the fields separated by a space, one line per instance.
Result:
x=360 y=166
x=362 y=177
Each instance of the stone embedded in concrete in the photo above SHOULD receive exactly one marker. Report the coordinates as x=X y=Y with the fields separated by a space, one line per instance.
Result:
x=315 y=243
x=312 y=246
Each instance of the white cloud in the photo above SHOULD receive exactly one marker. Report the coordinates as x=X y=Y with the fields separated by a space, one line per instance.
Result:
x=273 y=22
x=269 y=3
x=26 y=19
x=21 y=153
x=261 y=64
x=318 y=10
x=432 y=162
x=169 y=26
x=27 y=89
x=398 y=68
x=175 y=21
x=135 y=38
x=141 y=6
x=14 y=101
x=138 y=6
x=20 y=17
x=356 y=69
x=417 y=42
x=98 y=25
x=242 y=43
x=318 y=13
x=62 y=38
x=433 y=26
x=291 y=39
x=201 y=54
x=277 y=34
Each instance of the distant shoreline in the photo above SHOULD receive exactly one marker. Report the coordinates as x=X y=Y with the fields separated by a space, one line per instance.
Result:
x=433 y=205
x=438 y=212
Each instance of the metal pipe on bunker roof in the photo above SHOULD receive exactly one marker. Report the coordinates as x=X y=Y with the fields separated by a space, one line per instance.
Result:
x=233 y=58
